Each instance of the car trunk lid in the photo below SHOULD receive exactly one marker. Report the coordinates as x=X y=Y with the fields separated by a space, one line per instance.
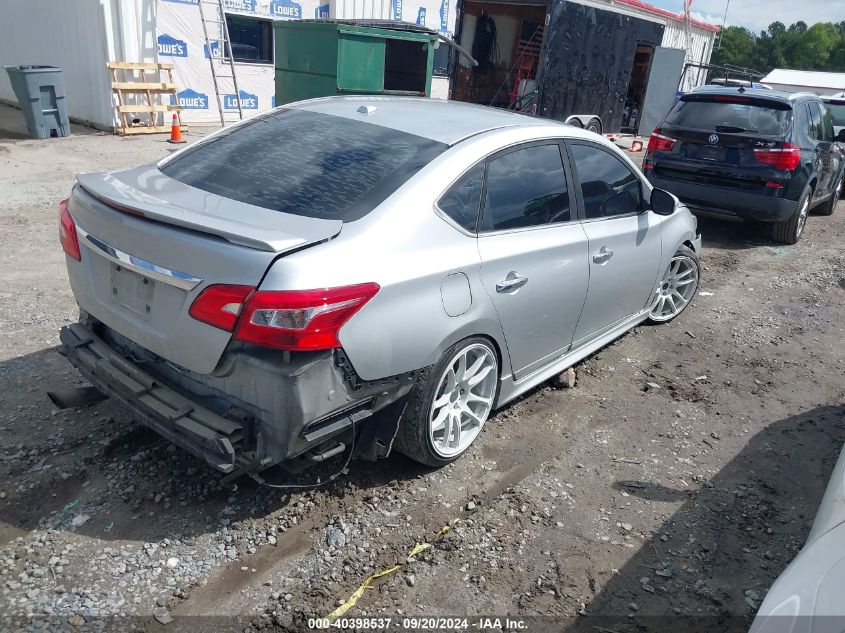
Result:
x=151 y=244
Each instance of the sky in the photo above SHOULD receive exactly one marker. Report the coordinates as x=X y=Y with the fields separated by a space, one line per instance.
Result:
x=758 y=14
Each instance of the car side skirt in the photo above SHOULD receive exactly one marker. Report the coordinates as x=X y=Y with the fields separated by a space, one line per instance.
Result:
x=511 y=389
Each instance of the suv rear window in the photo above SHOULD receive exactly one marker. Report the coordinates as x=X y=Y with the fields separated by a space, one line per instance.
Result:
x=732 y=114
x=305 y=163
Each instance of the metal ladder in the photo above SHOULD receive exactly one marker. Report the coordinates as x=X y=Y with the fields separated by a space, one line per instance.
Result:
x=216 y=33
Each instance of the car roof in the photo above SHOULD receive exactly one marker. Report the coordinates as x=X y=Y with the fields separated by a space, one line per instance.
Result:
x=443 y=121
x=765 y=93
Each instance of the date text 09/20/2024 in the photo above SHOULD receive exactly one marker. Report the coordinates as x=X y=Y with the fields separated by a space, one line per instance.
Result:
x=421 y=623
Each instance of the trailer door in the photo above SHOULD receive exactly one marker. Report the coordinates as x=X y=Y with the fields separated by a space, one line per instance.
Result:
x=667 y=65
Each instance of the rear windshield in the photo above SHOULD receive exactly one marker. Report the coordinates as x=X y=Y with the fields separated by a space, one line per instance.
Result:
x=305 y=163
x=737 y=115
x=837 y=111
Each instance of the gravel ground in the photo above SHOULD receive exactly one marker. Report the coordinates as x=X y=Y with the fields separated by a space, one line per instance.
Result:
x=667 y=489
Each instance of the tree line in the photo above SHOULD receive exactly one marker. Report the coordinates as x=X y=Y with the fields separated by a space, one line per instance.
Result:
x=798 y=46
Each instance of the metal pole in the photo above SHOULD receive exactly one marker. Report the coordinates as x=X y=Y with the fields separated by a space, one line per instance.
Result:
x=724 y=23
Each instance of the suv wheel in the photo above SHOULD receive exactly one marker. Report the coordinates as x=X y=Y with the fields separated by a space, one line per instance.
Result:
x=790 y=231
x=450 y=404
x=830 y=206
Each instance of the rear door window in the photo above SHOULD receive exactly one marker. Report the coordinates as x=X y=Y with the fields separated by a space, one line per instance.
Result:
x=732 y=114
x=825 y=122
x=815 y=117
x=526 y=187
x=837 y=112
x=306 y=163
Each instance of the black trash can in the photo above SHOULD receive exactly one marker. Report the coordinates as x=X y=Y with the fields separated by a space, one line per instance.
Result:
x=41 y=94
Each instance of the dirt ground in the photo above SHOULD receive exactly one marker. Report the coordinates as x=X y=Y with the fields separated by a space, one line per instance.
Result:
x=614 y=506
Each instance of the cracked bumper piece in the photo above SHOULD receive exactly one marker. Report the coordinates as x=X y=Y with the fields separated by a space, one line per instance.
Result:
x=175 y=417
x=257 y=409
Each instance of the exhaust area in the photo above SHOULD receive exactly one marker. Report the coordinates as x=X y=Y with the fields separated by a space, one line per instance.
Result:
x=78 y=397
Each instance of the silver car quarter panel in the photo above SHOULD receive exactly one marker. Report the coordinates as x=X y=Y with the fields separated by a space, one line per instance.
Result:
x=456 y=294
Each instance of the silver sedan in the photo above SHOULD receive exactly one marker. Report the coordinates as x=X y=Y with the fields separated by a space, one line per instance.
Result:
x=355 y=273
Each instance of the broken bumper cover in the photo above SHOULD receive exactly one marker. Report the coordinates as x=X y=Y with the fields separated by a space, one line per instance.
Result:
x=175 y=417
x=260 y=408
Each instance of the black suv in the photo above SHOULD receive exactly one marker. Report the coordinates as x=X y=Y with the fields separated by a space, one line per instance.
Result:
x=751 y=154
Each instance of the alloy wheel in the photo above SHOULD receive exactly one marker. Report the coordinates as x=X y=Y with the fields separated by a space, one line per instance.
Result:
x=676 y=289
x=802 y=217
x=463 y=400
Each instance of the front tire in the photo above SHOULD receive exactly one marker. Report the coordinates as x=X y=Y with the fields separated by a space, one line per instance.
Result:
x=594 y=125
x=677 y=287
x=790 y=231
x=450 y=403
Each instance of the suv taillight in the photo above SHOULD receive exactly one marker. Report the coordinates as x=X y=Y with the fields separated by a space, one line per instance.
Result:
x=67 y=232
x=657 y=142
x=785 y=158
x=300 y=320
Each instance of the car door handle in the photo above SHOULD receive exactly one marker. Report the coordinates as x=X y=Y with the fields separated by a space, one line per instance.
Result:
x=511 y=282
x=603 y=255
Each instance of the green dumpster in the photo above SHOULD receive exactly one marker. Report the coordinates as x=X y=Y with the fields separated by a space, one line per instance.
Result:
x=322 y=58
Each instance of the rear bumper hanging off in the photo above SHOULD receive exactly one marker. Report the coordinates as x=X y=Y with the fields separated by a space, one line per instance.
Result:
x=180 y=420
x=300 y=406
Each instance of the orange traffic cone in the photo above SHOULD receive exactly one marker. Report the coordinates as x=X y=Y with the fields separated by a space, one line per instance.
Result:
x=176 y=132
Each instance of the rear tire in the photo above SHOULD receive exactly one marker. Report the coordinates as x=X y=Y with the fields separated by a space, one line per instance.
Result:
x=790 y=231
x=830 y=205
x=450 y=403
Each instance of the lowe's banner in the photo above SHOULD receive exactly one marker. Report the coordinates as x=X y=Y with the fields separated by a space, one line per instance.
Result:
x=180 y=41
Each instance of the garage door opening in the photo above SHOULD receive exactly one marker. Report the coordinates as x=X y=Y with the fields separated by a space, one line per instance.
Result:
x=506 y=40
x=637 y=88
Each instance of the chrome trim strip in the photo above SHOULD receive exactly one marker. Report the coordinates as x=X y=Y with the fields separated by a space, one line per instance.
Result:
x=136 y=264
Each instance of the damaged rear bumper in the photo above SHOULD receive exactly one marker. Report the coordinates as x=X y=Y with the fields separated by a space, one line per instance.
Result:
x=254 y=412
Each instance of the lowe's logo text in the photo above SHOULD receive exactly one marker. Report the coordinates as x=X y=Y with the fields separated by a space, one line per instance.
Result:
x=183 y=1
x=247 y=6
x=215 y=50
x=248 y=101
x=169 y=46
x=285 y=9
x=397 y=9
x=321 y=12
x=192 y=100
x=421 y=16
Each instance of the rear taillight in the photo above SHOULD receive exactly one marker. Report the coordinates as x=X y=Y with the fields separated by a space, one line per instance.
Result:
x=301 y=319
x=67 y=232
x=220 y=305
x=658 y=142
x=785 y=158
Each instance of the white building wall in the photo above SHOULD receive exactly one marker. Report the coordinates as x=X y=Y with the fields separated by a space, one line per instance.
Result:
x=181 y=41
x=361 y=9
x=79 y=36
x=700 y=50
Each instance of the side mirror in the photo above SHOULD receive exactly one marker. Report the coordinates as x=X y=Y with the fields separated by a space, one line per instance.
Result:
x=840 y=138
x=662 y=202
